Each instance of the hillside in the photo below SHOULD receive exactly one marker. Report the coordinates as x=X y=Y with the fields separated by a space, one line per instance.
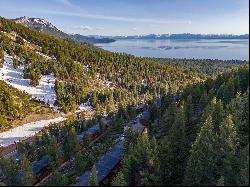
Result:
x=46 y=27
x=82 y=72
x=17 y=108
x=205 y=126
x=155 y=122
x=90 y=39
x=200 y=139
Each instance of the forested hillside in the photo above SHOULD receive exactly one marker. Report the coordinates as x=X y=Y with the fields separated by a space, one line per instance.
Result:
x=111 y=79
x=201 y=139
x=198 y=133
x=205 y=67
x=15 y=105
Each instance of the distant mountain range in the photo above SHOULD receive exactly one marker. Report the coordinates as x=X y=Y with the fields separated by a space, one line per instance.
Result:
x=183 y=36
x=42 y=25
x=48 y=28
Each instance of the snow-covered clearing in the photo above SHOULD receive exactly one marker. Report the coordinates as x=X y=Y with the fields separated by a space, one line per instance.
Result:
x=43 y=92
x=105 y=82
x=84 y=107
x=25 y=131
x=46 y=56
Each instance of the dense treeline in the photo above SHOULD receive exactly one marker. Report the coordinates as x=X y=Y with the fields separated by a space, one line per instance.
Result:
x=203 y=139
x=205 y=67
x=78 y=66
x=133 y=77
x=60 y=143
x=13 y=105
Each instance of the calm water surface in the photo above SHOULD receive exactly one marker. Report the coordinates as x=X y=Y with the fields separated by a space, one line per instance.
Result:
x=203 y=49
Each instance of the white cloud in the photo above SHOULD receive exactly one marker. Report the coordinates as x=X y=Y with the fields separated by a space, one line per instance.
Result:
x=99 y=28
x=83 y=27
x=113 y=18
x=134 y=28
x=87 y=28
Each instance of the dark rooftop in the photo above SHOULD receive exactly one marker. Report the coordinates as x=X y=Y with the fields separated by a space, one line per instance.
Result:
x=105 y=165
x=93 y=129
x=37 y=166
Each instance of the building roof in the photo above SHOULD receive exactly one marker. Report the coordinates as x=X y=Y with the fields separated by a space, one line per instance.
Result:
x=145 y=115
x=140 y=106
x=157 y=102
x=80 y=137
x=37 y=166
x=105 y=165
x=94 y=129
x=138 y=127
x=105 y=121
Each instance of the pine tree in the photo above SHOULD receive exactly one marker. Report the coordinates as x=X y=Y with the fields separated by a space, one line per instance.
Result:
x=93 y=177
x=243 y=179
x=202 y=162
x=10 y=171
x=53 y=153
x=218 y=115
x=119 y=180
x=26 y=171
x=141 y=163
x=70 y=144
x=94 y=98
x=79 y=163
x=221 y=182
x=168 y=118
x=58 y=179
x=174 y=151
x=227 y=144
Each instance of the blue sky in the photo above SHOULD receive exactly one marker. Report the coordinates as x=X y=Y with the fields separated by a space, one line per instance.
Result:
x=128 y=17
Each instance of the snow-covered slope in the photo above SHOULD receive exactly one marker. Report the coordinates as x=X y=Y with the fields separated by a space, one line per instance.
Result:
x=35 y=23
x=41 y=25
x=25 y=131
x=43 y=92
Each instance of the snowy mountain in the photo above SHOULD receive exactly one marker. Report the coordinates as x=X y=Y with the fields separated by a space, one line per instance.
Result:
x=48 y=28
x=41 y=25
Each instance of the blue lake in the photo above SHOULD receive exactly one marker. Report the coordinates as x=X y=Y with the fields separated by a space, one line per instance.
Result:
x=224 y=49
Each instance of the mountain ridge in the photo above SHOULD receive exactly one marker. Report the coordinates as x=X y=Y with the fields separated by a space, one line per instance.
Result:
x=47 y=27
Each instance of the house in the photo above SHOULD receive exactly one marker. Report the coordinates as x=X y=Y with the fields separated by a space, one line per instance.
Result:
x=140 y=108
x=40 y=168
x=106 y=122
x=144 y=118
x=14 y=154
x=80 y=138
x=106 y=166
x=138 y=127
x=94 y=132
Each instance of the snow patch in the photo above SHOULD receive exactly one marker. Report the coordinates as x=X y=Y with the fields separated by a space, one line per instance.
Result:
x=27 y=130
x=44 y=55
x=84 y=107
x=105 y=82
x=43 y=92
